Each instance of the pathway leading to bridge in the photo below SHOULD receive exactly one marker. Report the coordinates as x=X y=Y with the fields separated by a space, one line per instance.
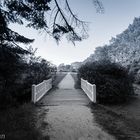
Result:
x=67 y=116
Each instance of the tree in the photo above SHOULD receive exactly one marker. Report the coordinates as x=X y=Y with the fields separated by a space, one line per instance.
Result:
x=114 y=84
x=38 y=68
x=123 y=49
x=34 y=12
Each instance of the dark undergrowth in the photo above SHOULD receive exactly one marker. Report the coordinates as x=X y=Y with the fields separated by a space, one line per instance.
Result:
x=77 y=80
x=19 y=123
x=113 y=82
x=116 y=125
x=58 y=78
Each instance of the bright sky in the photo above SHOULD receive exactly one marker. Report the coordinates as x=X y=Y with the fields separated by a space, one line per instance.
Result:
x=118 y=15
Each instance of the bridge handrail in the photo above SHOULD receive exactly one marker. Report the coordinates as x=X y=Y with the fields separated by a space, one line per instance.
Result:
x=38 y=91
x=89 y=89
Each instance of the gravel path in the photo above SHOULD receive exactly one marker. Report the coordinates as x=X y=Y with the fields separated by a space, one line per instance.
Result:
x=67 y=82
x=67 y=116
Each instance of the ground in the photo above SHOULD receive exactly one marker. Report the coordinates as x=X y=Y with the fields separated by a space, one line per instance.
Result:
x=68 y=115
x=75 y=117
x=129 y=109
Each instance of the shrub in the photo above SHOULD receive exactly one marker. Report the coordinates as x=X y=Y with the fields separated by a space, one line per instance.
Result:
x=113 y=82
x=17 y=75
x=137 y=77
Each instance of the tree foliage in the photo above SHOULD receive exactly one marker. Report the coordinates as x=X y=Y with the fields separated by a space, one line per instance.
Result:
x=113 y=82
x=123 y=49
x=35 y=13
x=16 y=74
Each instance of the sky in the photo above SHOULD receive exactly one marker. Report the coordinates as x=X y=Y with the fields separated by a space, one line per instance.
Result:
x=102 y=27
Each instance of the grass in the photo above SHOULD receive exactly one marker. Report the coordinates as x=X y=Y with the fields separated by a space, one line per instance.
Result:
x=59 y=76
x=19 y=123
x=77 y=81
x=117 y=125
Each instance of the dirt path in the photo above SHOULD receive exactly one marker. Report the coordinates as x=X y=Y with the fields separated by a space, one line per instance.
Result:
x=67 y=116
x=67 y=82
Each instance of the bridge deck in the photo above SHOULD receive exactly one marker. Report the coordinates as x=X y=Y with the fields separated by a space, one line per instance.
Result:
x=65 y=96
x=67 y=115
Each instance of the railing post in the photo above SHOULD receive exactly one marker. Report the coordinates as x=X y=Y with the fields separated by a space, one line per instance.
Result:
x=33 y=93
x=94 y=93
x=45 y=84
x=51 y=83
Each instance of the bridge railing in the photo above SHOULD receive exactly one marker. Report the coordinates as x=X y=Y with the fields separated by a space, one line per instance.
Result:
x=89 y=89
x=38 y=91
